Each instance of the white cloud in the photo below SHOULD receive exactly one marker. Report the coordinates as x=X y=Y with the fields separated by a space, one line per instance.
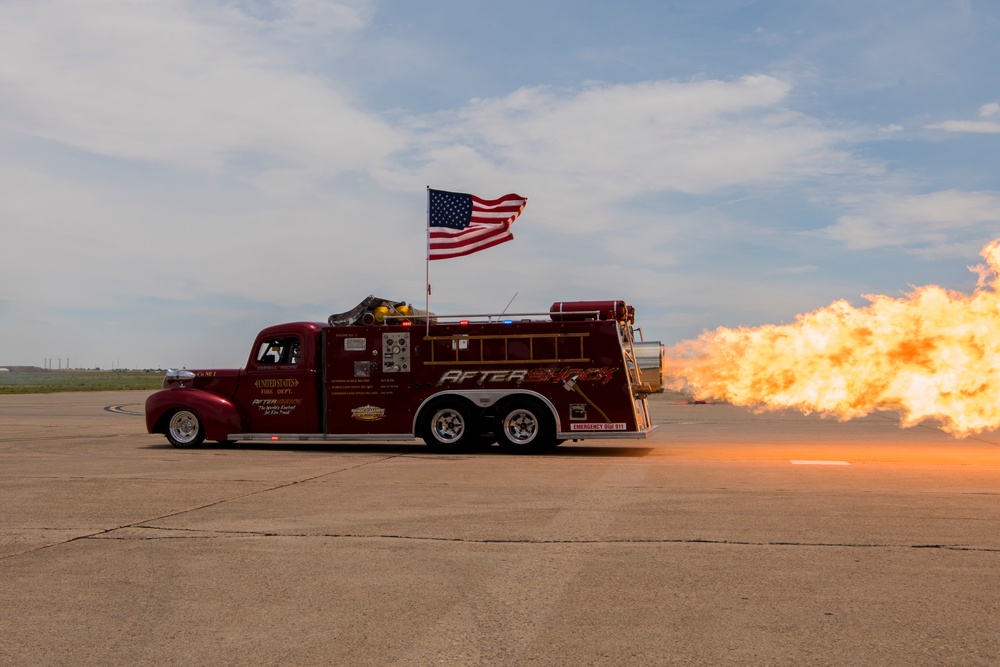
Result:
x=974 y=126
x=174 y=150
x=148 y=81
x=590 y=148
x=991 y=109
x=927 y=223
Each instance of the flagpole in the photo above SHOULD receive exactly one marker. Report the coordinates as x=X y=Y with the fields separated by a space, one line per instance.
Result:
x=427 y=267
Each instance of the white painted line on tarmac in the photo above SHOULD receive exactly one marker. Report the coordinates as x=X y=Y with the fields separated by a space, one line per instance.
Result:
x=820 y=463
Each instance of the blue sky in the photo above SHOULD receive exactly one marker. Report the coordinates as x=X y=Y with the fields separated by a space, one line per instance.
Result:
x=178 y=174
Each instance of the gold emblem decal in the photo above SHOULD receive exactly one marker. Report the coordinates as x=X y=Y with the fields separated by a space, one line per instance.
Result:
x=368 y=413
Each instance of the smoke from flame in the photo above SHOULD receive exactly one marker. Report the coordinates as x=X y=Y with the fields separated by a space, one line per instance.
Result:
x=934 y=353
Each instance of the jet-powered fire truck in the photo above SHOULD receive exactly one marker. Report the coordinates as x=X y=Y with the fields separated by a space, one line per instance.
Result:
x=385 y=371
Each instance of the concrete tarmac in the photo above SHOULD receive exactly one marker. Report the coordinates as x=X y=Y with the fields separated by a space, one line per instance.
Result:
x=728 y=538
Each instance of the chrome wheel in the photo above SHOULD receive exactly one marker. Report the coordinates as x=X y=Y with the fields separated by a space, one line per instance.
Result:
x=525 y=425
x=521 y=426
x=450 y=426
x=184 y=429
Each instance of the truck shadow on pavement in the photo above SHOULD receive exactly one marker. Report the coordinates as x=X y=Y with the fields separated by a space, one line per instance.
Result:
x=406 y=449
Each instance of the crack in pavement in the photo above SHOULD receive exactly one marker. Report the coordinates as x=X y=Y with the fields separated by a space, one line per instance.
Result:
x=139 y=524
x=214 y=534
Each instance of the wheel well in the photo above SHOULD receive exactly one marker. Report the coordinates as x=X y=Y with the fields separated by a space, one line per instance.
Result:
x=217 y=414
x=483 y=413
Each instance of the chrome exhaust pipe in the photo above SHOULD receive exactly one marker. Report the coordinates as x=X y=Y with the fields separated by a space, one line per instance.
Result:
x=649 y=359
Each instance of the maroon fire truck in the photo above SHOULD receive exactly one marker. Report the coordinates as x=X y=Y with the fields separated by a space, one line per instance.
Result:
x=385 y=371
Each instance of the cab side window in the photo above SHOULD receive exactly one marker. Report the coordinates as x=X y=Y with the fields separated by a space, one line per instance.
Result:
x=278 y=351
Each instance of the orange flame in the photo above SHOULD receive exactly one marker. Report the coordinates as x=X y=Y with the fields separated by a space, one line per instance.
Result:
x=934 y=353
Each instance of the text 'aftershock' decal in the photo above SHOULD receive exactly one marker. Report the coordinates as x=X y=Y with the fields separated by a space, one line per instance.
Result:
x=599 y=375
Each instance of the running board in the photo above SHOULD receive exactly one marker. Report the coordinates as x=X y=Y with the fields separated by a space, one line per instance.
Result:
x=406 y=437
x=320 y=437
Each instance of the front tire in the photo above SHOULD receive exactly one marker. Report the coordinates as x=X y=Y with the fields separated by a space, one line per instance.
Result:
x=525 y=426
x=449 y=427
x=185 y=429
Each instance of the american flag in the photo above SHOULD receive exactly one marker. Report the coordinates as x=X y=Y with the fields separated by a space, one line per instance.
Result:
x=461 y=224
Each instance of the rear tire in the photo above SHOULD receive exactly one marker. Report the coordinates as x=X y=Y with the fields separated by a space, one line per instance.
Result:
x=449 y=426
x=185 y=429
x=525 y=426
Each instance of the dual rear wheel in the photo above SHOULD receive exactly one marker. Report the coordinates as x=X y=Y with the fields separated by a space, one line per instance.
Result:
x=521 y=425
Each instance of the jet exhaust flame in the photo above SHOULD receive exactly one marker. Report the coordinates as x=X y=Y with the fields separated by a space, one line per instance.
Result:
x=934 y=353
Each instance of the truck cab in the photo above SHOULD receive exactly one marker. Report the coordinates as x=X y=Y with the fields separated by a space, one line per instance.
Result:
x=280 y=386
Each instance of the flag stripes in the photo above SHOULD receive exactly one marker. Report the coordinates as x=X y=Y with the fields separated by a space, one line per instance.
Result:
x=461 y=224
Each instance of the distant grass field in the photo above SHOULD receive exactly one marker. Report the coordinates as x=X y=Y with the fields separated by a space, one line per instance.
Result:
x=49 y=381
